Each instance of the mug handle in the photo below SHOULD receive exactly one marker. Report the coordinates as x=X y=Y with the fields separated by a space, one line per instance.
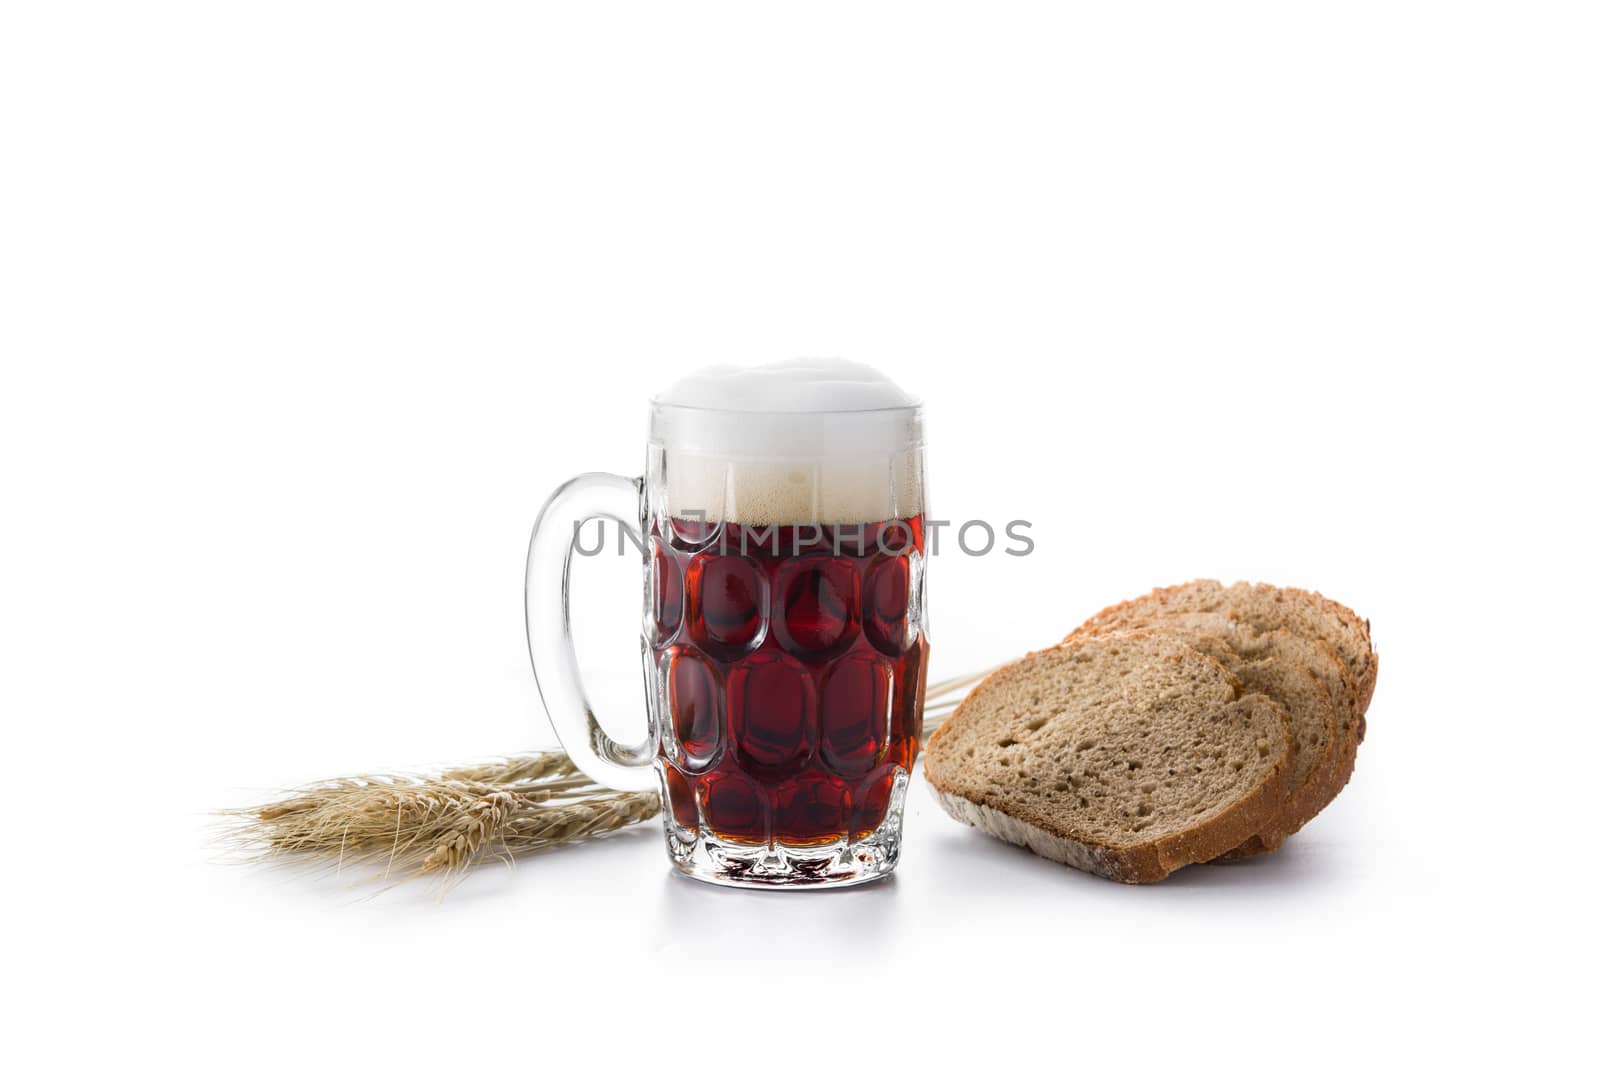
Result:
x=549 y=619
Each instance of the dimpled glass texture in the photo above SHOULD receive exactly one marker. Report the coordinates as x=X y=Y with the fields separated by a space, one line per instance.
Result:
x=785 y=667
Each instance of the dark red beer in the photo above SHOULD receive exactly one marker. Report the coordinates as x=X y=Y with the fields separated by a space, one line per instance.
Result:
x=790 y=663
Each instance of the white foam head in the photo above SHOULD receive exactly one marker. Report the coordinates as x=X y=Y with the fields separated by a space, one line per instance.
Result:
x=796 y=385
x=809 y=440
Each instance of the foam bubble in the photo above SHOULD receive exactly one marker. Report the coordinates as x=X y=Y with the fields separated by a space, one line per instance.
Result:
x=812 y=440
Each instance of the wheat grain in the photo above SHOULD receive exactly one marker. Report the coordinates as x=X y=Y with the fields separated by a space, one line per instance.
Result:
x=477 y=825
x=585 y=819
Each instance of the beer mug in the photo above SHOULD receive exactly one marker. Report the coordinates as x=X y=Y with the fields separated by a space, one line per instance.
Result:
x=785 y=641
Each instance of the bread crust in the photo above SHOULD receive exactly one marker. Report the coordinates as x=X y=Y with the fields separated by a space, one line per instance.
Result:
x=1210 y=595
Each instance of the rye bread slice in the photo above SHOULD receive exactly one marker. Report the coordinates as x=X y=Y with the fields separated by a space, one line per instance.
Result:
x=1291 y=670
x=1127 y=756
x=1267 y=608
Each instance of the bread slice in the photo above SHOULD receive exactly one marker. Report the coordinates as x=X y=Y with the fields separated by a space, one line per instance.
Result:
x=1291 y=670
x=1128 y=756
x=1267 y=608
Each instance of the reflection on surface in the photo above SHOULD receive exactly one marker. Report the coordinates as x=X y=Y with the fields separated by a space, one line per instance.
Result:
x=696 y=916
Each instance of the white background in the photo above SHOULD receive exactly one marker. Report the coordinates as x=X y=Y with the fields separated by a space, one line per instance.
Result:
x=305 y=307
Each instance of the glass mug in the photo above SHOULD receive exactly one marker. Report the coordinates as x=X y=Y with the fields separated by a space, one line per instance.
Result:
x=784 y=636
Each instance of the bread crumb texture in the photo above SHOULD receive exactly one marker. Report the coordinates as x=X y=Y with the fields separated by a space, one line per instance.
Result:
x=1127 y=755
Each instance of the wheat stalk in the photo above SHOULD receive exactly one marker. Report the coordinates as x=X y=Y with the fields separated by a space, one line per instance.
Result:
x=447 y=823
